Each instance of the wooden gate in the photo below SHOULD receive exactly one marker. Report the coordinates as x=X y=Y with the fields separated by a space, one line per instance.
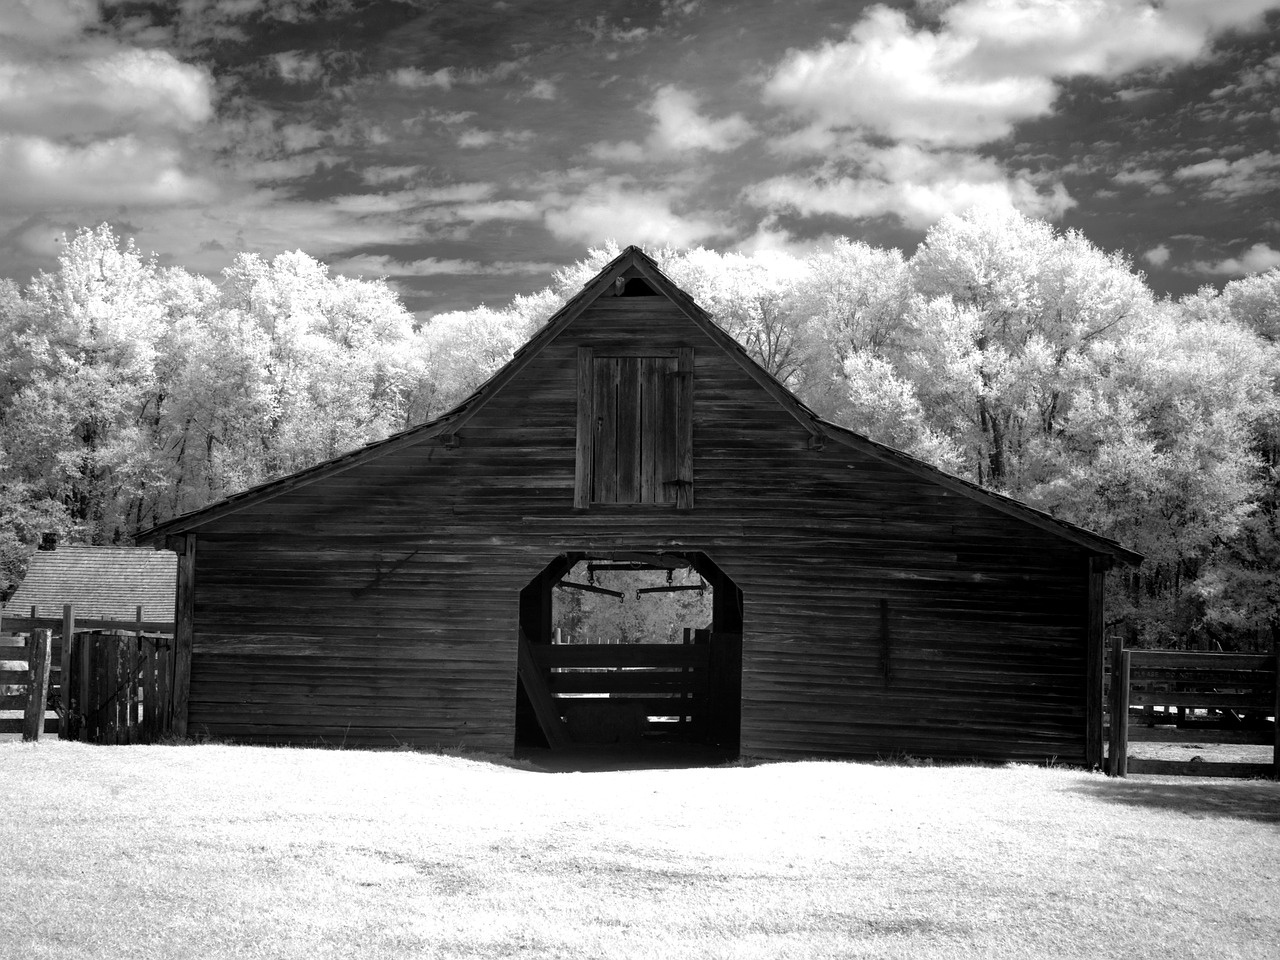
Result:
x=1239 y=686
x=119 y=688
x=605 y=693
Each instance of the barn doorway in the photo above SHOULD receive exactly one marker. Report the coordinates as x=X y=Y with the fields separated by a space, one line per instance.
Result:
x=630 y=651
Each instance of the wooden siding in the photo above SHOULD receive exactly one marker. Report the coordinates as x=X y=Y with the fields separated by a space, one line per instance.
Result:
x=380 y=605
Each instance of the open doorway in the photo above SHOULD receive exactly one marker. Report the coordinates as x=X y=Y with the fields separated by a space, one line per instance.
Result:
x=630 y=648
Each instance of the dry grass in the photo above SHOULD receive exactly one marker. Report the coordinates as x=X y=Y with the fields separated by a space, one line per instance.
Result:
x=217 y=851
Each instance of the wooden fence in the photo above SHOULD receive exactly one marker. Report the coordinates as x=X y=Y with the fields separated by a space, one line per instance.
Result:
x=1235 y=688
x=592 y=692
x=112 y=683
x=24 y=682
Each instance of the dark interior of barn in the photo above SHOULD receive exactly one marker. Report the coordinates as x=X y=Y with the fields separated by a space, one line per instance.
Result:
x=630 y=652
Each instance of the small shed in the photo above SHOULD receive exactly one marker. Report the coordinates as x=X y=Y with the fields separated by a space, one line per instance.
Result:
x=108 y=583
x=864 y=603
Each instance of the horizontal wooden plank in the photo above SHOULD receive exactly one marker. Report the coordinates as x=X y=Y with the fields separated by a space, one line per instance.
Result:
x=13 y=701
x=1252 y=700
x=14 y=724
x=1139 y=733
x=1198 y=768
x=628 y=682
x=652 y=706
x=620 y=655
x=1194 y=660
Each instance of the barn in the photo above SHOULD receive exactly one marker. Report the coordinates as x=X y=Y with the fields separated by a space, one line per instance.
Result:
x=862 y=603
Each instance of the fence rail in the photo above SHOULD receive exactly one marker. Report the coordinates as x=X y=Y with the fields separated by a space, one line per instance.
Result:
x=1243 y=686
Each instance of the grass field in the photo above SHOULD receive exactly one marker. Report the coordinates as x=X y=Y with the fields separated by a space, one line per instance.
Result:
x=219 y=851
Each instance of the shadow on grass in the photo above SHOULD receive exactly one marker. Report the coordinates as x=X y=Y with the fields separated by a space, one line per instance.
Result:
x=595 y=759
x=1256 y=800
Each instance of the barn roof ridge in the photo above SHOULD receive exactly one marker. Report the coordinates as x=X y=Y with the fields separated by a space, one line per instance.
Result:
x=633 y=256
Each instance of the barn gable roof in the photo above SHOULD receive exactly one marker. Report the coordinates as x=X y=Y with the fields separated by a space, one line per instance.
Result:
x=106 y=582
x=633 y=262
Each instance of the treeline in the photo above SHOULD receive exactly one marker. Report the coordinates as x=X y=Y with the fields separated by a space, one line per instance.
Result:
x=1021 y=358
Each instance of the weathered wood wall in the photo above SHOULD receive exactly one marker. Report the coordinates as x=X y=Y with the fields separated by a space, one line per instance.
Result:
x=380 y=604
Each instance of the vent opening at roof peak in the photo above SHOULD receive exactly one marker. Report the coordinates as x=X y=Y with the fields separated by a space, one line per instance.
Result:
x=633 y=287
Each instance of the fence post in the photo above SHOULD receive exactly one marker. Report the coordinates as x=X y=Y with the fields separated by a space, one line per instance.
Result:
x=88 y=688
x=65 y=724
x=1122 y=755
x=1275 y=707
x=1119 y=708
x=183 y=631
x=38 y=683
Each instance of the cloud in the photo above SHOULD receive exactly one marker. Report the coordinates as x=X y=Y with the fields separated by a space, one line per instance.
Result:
x=474 y=138
x=904 y=104
x=40 y=173
x=97 y=90
x=919 y=186
x=890 y=79
x=615 y=209
x=1157 y=256
x=1247 y=176
x=415 y=79
x=678 y=129
x=88 y=119
x=294 y=66
x=989 y=65
x=43 y=21
x=1257 y=259
x=377 y=176
x=368 y=265
x=542 y=90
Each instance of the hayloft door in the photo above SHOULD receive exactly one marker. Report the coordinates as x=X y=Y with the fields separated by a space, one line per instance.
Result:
x=635 y=429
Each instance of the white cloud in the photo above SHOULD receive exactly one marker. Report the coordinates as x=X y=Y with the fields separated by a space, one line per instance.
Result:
x=936 y=92
x=102 y=91
x=627 y=151
x=1259 y=173
x=678 y=128
x=435 y=266
x=988 y=65
x=616 y=210
x=42 y=21
x=542 y=90
x=1157 y=256
x=474 y=138
x=377 y=176
x=36 y=172
x=888 y=78
x=415 y=79
x=294 y=66
x=1257 y=259
x=917 y=185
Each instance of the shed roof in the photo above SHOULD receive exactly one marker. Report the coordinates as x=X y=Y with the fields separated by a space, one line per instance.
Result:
x=109 y=583
x=634 y=262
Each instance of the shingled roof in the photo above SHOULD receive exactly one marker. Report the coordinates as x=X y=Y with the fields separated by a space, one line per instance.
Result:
x=634 y=262
x=108 y=583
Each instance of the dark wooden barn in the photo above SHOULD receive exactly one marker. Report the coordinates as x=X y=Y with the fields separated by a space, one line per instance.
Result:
x=864 y=603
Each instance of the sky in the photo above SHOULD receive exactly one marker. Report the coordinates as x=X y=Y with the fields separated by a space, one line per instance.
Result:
x=466 y=149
